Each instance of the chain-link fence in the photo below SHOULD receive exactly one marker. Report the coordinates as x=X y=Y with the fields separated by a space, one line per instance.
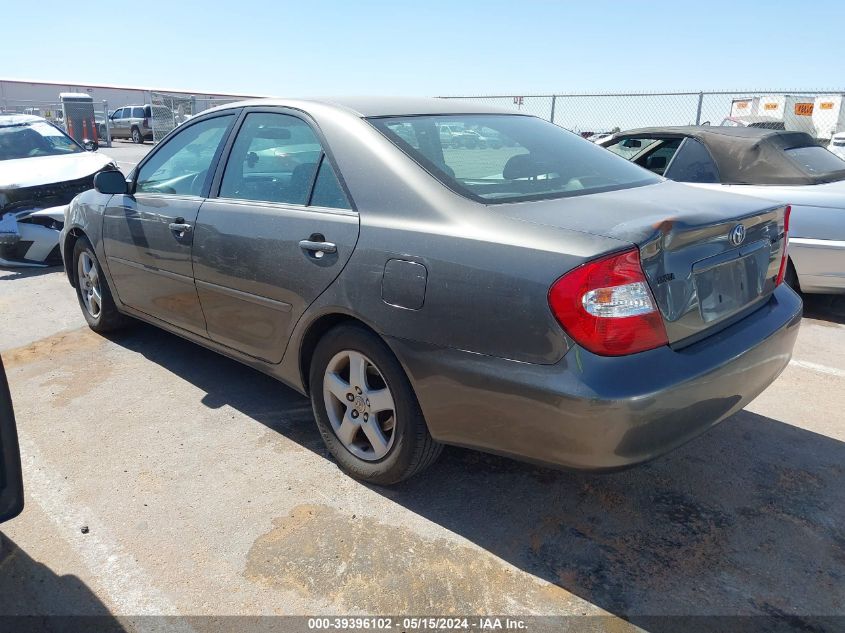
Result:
x=171 y=110
x=168 y=111
x=53 y=112
x=820 y=113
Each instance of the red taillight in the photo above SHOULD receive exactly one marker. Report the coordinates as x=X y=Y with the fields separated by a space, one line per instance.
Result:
x=607 y=307
x=783 y=258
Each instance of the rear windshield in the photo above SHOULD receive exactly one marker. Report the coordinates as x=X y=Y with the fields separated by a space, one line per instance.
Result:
x=816 y=160
x=509 y=158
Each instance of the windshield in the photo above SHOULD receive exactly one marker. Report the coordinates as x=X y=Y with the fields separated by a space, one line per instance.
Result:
x=509 y=158
x=29 y=140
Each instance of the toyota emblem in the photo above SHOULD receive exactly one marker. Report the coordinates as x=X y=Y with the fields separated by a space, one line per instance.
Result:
x=737 y=235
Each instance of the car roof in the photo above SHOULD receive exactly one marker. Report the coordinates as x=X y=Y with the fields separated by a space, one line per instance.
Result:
x=381 y=106
x=747 y=155
x=18 y=119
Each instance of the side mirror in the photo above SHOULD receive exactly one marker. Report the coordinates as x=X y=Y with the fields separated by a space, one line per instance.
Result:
x=89 y=145
x=111 y=182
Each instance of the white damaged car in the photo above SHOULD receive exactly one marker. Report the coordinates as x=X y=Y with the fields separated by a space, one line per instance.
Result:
x=41 y=170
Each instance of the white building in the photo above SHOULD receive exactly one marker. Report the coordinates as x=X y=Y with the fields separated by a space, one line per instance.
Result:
x=42 y=97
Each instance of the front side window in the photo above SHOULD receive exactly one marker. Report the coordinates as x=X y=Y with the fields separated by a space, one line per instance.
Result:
x=508 y=158
x=658 y=157
x=274 y=159
x=693 y=163
x=630 y=148
x=181 y=165
x=33 y=139
x=117 y=113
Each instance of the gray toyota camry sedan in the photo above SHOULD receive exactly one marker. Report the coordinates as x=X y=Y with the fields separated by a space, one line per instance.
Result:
x=532 y=295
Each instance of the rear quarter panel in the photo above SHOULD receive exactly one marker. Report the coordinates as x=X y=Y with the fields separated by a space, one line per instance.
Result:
x=487 y=276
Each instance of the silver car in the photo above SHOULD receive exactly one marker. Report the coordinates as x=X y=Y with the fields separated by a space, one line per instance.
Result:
x=786 y=167
x=132 y=122
x=545 y=299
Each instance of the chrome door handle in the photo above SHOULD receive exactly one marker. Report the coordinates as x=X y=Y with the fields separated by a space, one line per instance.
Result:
x=318 y=248
x=180 y=227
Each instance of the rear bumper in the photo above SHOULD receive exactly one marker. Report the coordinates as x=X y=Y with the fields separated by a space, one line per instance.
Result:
x=601 y=413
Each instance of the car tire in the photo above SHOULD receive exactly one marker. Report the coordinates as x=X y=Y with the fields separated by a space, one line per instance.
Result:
x=92 y=290
x=342 y=401
x=791 y=276
x=136 y=136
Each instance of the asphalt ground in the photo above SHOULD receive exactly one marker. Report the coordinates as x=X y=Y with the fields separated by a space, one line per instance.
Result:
x=205 y=490
x=126 y=154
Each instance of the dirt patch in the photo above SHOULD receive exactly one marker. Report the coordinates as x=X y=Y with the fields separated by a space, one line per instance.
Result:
x=64 y=379
x=362 y=564
x=53 y=347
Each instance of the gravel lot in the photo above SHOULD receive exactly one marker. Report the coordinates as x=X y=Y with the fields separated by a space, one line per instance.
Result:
x=206 y=491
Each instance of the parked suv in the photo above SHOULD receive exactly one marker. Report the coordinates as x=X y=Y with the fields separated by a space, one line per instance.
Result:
x=132 y=122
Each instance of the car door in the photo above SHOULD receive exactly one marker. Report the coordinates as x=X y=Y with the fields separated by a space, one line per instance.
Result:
x=147 y=234
x=114 y=123
x=279 y=232
x=125 y=118
x=137 y=120
x=11 y=481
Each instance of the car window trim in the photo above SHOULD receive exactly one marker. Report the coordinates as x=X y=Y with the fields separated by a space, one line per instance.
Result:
x=302 y=115
x=674 y=156
x=212 y=168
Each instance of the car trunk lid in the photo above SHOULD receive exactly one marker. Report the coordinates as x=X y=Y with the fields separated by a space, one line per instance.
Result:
x=708 y=257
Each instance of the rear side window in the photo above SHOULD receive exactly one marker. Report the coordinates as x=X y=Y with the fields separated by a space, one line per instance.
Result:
x=327 y=190
x=693 y=163
x=274 y=159
x=815 y=160
x=137 y=113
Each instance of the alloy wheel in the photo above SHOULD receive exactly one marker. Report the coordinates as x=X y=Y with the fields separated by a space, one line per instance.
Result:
x=359 y=405
x=89 y=284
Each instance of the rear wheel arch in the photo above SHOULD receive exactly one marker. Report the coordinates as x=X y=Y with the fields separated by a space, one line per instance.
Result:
x=791 y=277
x=379 y=450
x=317 y=330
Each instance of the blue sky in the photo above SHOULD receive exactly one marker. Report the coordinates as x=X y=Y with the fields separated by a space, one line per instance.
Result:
x=319 y=47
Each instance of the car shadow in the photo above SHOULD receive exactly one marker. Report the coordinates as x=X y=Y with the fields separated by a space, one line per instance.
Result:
x=748 y=520
x=11 y=274
x=829 y=308
x=35 y=598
